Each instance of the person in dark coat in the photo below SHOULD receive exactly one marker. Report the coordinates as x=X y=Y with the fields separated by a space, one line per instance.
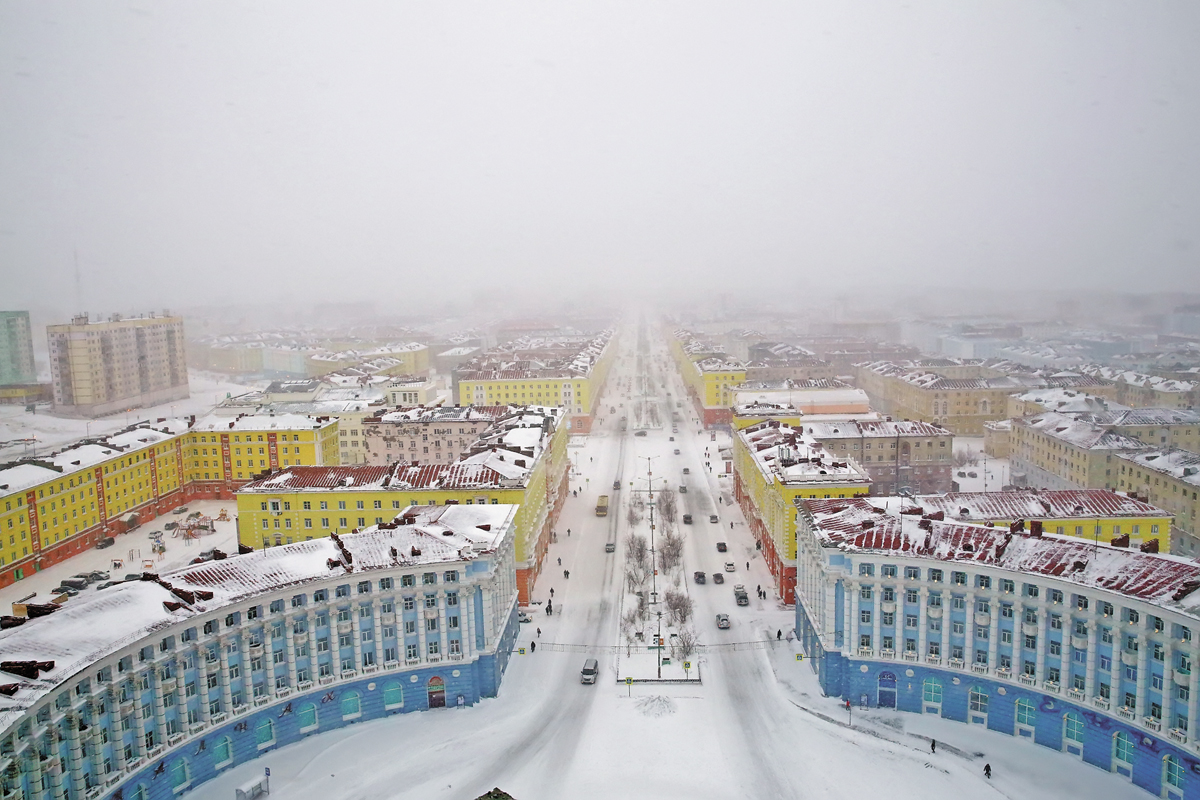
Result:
x=933 y=745
x=987 y=771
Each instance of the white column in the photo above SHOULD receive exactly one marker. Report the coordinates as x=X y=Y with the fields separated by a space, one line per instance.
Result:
x=1090 y=682
x=289 y=641
x=1043 y=640
x=922 y=624
x=356 y=632
x=994 y=632
x=1143 y=678
x=377 y=618
x=312 y=645
x=1193 y=696
x=226 y=683
x=852 y=619
x=876 y=621
x=202 y=680
x=247 y=672
x=969 y=626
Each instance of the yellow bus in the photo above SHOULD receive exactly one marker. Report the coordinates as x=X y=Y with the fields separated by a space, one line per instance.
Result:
x=602 y=506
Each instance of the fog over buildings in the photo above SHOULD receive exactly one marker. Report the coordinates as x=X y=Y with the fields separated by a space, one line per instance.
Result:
x=162 y=154
x=457 y=356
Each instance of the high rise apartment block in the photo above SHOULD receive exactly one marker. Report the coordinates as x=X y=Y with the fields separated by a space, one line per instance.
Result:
x=16 y=349
x=104 y=367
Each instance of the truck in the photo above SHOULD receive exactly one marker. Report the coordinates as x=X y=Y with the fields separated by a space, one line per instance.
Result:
x=602 y=506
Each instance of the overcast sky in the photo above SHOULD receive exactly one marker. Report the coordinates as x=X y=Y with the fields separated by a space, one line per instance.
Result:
x=209 y=151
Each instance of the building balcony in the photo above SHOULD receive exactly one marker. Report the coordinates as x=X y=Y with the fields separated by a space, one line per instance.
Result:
x=1178 y=735
x=455 y=656
x=983 y=618
x=434 y=660
x=256 y=649
x=197 y=728
x=262 y=700
x=957 y=663
x=1079 y=642
x=304 y=686
x=388 y=618
x=979 y=669
x=412 y=662
x=866 y=652
x=348 y=674
x=391 y=665
x=1152 y=723
x=131 y=766
x=345 y=627
x=888 y=607
x=167 y=684
x=239 y=710
x=1051 y=686
x=911 y=655
x=1004 y=672
x=370 y=669
x=1029 y=628
x=931 y=659
x=1101 y=702
x=1183 y=677
x=1027 y=679
x=934 y=612
x=1075 y=694
x=327 y=680
x=887 y=653
x=1125 y=712
x=217 y=719
x=174 y=740
x=1129 y=658
x=283 y=692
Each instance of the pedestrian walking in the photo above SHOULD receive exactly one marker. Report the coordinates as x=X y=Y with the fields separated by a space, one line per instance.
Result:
x=552 y=591
x=533 y=647
x=568 y=533
x=987 y=771
x=760 y=589
x=933 y=745
x=560 y=562
x=778 y=635
x=566 y=573
x=730 y=526
x=539 y=633
x=747 y=565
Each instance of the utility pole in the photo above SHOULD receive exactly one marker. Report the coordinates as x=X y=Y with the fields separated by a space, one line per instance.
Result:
x=653 y=560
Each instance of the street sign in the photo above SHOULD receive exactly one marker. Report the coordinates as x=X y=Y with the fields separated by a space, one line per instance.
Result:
x=687 y=665
x=521 y=650
x=799 y=656
x=628 y=680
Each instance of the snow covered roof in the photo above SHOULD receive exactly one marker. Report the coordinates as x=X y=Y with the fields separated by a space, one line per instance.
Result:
x=1079 y=432
x=1147 y=416
x=259 y=422
x=436 y=414
x=861 y=525
x=22 y=475
x=1034 y=504
x=871 y=429
x=1067 y=401
x=792 y=457
x=1182 y=465
x=85 y=630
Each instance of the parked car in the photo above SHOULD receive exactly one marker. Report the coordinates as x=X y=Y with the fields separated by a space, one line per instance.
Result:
x=670 y=438
x=741 y=595
x=682 y=489
x=713 y=518
x=723 y=621
x=718 y=577
x=729 y=567
x=69 y=591
x=972 y=475
x=523 y=617
x=107 y=541
x=610 y=547
x=98 y=575
x=687 y=471
x=640 y=433
x=616 y=486
x=674 y=430
x=698 y=577
x=107 y=584
x=722 y=547
x=687 y=519
x=86 y=577
x=133 y=576
x=180 y=510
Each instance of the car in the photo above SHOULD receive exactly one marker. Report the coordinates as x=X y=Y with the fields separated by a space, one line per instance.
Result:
x=107 y=541
x=741 y=595
x=722 y=547
x=972 y=475
x=718 y=577
x=69 y=591
x=687 y=471
x=962 y=473
x=98 y=575
x=171 y=525
x=107 y=584
x=682 y=489
x=698 y=577
x=713 y=518
x=687 y=519
x=639 y=433
x=208 y=555
x=670 y=438
x=86 y=577
x=674 y=430
x=133 y=576
x=676 y=451
x=723 y=621
x=180 y=510
x=523 y=617
x=729 y=567
x=610 y=547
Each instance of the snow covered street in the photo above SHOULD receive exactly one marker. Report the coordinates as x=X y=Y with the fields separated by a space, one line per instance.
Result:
x=756 y=727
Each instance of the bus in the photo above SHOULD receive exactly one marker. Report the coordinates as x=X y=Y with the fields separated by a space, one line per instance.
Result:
x=602 y=506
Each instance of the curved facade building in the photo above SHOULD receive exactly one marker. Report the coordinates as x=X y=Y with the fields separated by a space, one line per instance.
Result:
x=1085 y=648
x=147 y=689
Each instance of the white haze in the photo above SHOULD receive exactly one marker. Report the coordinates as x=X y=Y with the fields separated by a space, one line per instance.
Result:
x=409 y=153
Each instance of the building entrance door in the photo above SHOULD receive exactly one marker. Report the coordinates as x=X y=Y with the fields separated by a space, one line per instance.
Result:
x=887 y=690
x=437 y=692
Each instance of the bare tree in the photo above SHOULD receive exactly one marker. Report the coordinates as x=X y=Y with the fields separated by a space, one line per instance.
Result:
x=637 y=550
x=679 y=607
x=667 y=506
x=670 y=550
x=966 y=457
x=630 y=628
x=684 y=644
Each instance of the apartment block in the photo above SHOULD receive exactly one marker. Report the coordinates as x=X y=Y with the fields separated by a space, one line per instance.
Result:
x=100 y=368
x=1060 y=451
x=1169 y=479
x=906 y=454
x=427 y=435
x=16 y=349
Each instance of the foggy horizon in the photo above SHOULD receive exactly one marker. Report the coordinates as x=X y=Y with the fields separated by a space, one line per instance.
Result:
x=163 y=156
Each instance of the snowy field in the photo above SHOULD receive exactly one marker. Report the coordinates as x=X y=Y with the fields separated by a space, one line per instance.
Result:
x=757 y=727
x=52 y=433
x=991 y=474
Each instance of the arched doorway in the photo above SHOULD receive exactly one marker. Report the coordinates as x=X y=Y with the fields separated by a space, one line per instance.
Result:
x=887 y=690
x=437 y=692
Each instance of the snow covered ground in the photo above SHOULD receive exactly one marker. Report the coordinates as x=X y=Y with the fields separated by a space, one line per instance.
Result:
x=52 y=432
x=757 y=727
x=131 y=548
x=991 y=474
